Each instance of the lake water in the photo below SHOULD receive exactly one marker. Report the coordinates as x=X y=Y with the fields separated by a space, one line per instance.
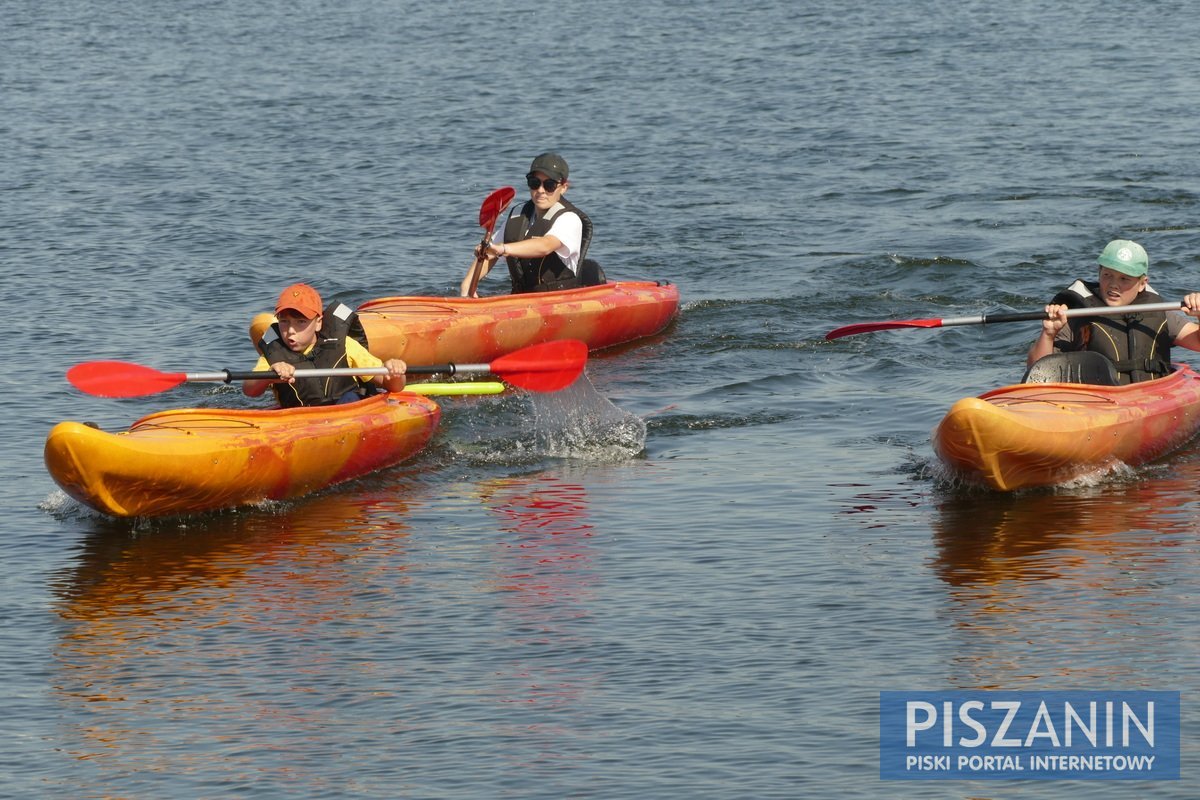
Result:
x=702 y=601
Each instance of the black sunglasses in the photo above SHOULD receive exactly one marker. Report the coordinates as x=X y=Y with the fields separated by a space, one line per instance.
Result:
x=549 y=184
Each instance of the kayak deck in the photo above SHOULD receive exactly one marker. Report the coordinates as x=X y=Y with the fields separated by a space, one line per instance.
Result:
x=430 y=330
x=1042 y=434
x=193 y=460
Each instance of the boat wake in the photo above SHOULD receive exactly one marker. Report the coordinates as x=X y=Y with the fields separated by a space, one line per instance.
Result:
x=61 y=505
x=946 y=479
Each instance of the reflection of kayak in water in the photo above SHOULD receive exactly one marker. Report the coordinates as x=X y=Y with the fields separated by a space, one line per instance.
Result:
x=1038 y=434
x=191 y=460
x=428 y=330
x=291 y=559
x=999 y=538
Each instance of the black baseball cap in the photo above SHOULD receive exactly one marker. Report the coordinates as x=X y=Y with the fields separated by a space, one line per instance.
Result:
x=551 y=165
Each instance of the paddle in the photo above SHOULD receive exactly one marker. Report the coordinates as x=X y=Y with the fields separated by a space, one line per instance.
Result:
x=493 y=206
x=986 y=319
x=545 y=367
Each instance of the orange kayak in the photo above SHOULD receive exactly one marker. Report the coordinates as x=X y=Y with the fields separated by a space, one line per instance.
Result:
x=191 y=460
x=435 y=330
x=1039 y=434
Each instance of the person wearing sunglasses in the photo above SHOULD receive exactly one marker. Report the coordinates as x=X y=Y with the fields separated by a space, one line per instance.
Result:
x=545 y=241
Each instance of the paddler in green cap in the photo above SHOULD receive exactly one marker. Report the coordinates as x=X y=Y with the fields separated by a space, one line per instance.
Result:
x=1138 y=344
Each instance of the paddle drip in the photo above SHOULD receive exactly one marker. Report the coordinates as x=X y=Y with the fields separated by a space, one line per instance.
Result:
x=521 y=428
x=579 y=422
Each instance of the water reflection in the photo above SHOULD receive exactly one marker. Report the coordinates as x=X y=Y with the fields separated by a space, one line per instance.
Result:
x=215 y=647
x=995 y=538
x=1077 y=587
x=143 y=568
x=545 y=571
x=250 y=646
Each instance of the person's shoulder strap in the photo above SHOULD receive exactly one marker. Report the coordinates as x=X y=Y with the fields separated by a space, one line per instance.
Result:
x=553 y=211
x=1076 y=295
x=1148 y=295
x=586 y=237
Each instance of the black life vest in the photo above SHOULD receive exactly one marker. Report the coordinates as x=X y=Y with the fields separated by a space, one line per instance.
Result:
x=338 y=322
x=1138 y=344
x=549 y=272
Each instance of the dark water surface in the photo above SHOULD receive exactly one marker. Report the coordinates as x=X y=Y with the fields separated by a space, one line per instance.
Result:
x=702 y=599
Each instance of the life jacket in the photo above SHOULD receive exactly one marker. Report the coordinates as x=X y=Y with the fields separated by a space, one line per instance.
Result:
x=1138 y=344
x=549 y=272
x=338 y=322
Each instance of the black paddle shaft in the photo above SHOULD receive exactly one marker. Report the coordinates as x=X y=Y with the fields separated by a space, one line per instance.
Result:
x=1098 y=311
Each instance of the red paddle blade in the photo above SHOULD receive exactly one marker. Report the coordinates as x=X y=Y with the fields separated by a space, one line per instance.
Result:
x=868 y=327
x=121 y=379
x=544 y=367
x=493 y=204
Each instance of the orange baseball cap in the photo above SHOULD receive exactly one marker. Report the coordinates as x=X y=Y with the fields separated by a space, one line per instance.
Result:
x=300 y=297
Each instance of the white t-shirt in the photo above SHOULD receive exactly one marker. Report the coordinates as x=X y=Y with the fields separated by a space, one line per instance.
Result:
x=567 y=227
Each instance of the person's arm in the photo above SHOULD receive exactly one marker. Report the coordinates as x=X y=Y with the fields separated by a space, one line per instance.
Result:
x=1189 y=334
x=1044 y=344
x=464 y=288
x=536 y=247
x=255 y=388
x=395 y=380
x=564 y=237
x=489 y=261
x=357 y=356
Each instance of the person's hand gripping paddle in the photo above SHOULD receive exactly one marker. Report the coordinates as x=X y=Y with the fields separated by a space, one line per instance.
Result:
x=493 y=206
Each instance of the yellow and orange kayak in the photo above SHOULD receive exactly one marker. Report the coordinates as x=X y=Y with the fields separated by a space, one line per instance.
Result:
x=1040 y=434
x=435 y=330
x=191 y=460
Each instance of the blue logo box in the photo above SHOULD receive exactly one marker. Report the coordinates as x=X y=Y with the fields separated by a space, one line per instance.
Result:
x=1032 y=735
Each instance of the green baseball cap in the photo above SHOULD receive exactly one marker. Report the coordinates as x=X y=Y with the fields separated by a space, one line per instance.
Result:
x=1126 y=257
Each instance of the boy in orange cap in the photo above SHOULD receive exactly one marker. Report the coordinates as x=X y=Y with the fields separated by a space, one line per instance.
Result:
x=302 y=344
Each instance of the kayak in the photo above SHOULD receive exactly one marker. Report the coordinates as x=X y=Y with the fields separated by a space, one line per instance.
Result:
x=1040 y=434
x=191 y=460
x=433 y=330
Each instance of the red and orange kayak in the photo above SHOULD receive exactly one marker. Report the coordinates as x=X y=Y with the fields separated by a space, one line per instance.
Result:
x=1040 y=434
x=434 y=330
x=191 y=460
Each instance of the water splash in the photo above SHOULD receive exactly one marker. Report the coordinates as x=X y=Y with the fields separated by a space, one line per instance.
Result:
x=524 y=429
x=581 y=423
